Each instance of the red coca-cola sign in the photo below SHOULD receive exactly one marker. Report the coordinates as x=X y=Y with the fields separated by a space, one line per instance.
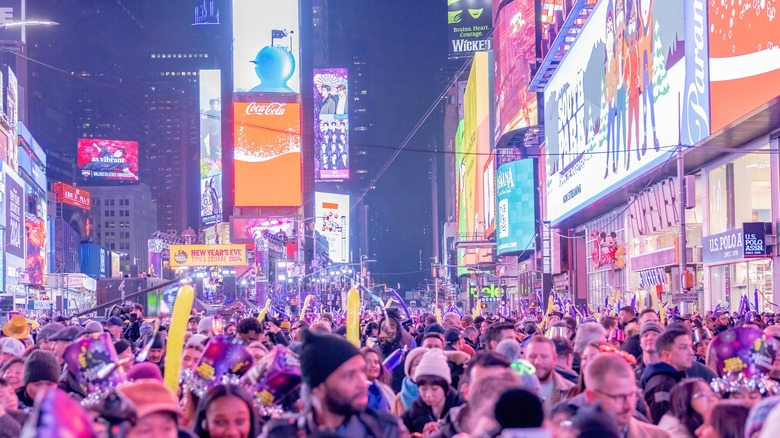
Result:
x=67 y=194
x=265 y=109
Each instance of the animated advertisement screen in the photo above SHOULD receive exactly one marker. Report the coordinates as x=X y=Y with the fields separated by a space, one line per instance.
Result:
x=331 y=124
x=266 y=46
x=101 y=160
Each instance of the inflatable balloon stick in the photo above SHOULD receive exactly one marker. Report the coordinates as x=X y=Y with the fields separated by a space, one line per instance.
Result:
x=353 y=317
x=264 y=312
x=389 y=303
x=438 y=314
x=176 y=331
x=306 y=303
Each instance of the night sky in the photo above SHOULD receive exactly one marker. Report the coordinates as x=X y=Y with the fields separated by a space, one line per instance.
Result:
x=405 y=44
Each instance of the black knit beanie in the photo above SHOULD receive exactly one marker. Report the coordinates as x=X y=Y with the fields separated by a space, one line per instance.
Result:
x=41 y=366
x=321 y=355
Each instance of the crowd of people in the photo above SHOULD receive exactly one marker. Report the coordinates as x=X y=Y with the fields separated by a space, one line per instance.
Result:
x=626 y=375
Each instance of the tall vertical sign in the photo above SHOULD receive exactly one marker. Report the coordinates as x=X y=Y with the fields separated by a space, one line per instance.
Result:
x=210 y=147
x=12 y=111
x=331 y=124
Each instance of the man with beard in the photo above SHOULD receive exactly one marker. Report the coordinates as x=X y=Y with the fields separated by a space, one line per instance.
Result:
x=336 y=394
x=553 y=388
x=393 y=336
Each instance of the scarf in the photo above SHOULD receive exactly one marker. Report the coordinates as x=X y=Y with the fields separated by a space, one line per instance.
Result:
x=376 y=399
x=409 y=393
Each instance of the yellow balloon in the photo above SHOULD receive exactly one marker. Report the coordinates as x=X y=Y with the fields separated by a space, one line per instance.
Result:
x=353 y=317
x=263 y=312
x=438 y=314
x=176 y=331
x=306 y=303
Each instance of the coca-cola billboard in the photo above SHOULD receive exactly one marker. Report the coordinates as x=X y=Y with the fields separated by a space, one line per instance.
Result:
x=67 y=194
x=267 y=154
x=265 y=109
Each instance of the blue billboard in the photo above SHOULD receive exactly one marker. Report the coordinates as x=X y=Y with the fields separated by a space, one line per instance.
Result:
x=516 y=207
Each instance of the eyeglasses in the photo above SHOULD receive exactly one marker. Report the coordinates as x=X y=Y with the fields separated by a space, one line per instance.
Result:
x=704 y=394
x=619 y=398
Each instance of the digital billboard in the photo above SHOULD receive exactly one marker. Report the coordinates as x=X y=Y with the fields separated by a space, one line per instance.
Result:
x=266 y=46
x=611 y=107
x=208 y=255
x=332 y=222
x=267 y=154
x=468 y=25
x=73 y=196
x=744 y=46
x=331 y=124
x=514 y=52
x=35 y=229
x=516 y=201
x=103 y=160
x=210 y=146
x=12 y=112
x=472 y=156
x=244 y=229
x=14 y=214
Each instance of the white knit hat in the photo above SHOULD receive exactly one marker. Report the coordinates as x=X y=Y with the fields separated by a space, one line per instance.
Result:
x=433 y=363
x=411 y=357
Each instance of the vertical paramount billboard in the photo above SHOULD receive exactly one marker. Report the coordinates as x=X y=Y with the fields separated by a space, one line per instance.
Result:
x=267 y=154
x=210 y=147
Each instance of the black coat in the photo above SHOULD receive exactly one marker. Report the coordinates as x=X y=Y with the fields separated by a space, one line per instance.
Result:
x=370 y=424
x=632 y=346
x=421 y=414
x=658 y=381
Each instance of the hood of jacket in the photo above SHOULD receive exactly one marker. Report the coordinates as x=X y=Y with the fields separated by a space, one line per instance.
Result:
x=661 y=368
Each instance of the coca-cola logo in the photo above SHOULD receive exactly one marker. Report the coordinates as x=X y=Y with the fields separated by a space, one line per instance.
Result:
x=265 y=109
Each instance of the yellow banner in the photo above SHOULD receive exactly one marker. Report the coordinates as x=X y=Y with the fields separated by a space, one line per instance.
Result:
x=208 y=255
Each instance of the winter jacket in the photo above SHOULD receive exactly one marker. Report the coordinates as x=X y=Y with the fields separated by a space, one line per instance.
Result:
x=672 y=424
x=369 y=424
x=11 y=424
x=453 y=423
x=632 y=346
x=421 y=414
x=659 y=379
x=404 y=341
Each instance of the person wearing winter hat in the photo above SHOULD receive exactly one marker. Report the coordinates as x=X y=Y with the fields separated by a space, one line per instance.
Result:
x=157 y=352
x=116 y=327
x=59 y=341
x=392 y=336
x=41 y=371
x=409 y=391
x=144 y=370
x=204 y=327
x=93 y=327
x=437 y=397
x=156 y=408
x=336 y=393
x=45 y=332
x=9 y=349
x=648 y=335
x=124 y=354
